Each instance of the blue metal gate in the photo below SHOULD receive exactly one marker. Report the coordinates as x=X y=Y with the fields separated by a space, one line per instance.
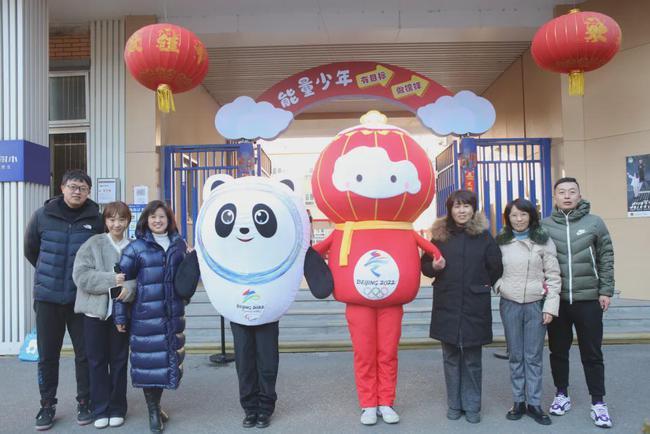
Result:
x=185 y=169
x=498 y=170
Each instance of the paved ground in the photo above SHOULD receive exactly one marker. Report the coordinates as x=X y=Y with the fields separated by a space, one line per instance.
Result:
x=317 y=395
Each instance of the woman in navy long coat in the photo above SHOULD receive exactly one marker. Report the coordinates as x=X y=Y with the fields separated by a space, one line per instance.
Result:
x=157 y=315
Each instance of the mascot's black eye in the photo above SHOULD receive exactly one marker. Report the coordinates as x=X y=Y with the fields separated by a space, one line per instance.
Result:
x=359 y=178
x=393 y=178
x=265 y=220
x=261 y=217
x=227 y=217
x=225 y=220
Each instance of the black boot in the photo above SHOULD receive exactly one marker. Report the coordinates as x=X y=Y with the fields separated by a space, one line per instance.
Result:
x=536 y=412
x=263 y=420
x=517 y=411
x=152 y=395
x=250 y=420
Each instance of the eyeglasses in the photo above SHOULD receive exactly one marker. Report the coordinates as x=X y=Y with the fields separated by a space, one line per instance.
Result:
x=79 y=188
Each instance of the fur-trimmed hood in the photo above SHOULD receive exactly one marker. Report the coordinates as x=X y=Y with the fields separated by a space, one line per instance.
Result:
x=440 y=231
x=537 y=235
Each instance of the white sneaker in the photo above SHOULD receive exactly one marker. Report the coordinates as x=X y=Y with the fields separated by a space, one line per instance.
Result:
x=600 y=415
x=388 y=414
x=369 y=416
x=101 y=423
x=116 y=421
x=561 y=404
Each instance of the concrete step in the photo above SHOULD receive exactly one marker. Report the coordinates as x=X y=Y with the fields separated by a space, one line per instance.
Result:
x=312 y=324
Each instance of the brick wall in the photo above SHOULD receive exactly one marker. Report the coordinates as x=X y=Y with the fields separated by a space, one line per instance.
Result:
x=69 y=46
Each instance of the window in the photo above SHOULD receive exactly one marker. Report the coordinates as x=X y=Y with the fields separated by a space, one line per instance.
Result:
x=67 y=151
x=68 y=98
x=309 y=199
x=68 y=124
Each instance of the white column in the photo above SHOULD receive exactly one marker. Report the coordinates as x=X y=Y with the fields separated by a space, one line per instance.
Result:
x=106 y=145
x=23 y=117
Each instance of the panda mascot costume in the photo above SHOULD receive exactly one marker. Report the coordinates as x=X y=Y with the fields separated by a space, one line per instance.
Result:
x=373 y=181
x=252 y=248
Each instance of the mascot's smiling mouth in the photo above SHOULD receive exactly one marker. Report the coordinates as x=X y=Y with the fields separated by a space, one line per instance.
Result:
x=244 y=240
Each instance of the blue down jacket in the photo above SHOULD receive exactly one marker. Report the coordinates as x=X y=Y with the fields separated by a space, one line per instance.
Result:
x=51 y=243
x=157 y=315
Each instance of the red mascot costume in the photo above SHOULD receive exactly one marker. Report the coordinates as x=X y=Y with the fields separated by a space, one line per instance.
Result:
x=373 y=181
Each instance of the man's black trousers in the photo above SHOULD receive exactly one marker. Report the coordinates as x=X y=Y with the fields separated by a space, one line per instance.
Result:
x=51 y=322
x=587 y=317
x=256 y=358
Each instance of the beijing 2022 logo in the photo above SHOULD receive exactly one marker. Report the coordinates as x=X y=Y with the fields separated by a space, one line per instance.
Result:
x=249 y=306
x=376 y=275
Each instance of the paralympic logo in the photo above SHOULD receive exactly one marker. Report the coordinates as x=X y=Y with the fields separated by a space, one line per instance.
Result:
x=249 y=295
x=375 y=262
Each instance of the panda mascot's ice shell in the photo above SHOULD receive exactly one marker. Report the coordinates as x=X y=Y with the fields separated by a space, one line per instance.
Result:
x=251 y=235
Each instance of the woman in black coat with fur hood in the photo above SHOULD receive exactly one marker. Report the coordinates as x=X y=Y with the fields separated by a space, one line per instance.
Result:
x=461 y=318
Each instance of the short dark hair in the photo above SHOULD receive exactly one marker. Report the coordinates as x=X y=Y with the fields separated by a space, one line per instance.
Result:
x=565 y=179
x=143 y=222
x=76 y=175
x=116 y=208
x=522 y=205
x=461 y=196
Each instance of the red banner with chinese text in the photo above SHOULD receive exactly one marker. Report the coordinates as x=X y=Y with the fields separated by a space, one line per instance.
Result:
x=343 y=79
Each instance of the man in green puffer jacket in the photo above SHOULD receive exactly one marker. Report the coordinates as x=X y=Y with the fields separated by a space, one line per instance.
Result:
x=586 y=257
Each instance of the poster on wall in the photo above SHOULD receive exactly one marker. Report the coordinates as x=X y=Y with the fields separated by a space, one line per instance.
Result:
x=638 y=186
x=106 y=190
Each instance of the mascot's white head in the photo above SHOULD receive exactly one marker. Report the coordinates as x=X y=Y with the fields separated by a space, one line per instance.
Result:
x=250 y=230
x=251 y=235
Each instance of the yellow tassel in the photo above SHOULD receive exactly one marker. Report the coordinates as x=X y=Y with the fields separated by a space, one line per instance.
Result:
x=165 y=98
x=576 y=83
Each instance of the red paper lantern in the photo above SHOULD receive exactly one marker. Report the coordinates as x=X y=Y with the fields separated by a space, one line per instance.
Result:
x=168 y=59
x=342 y=206
x=575 y=43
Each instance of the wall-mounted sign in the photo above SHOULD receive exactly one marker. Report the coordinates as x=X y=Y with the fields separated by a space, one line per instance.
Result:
x=23 y=161
x=638 y=186
x=107 y=190
x=141 y=194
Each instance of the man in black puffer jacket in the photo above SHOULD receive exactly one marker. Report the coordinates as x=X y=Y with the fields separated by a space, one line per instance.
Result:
x=54 y=234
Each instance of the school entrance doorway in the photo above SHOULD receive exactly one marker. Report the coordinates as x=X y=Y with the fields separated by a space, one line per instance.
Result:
x=498 y=170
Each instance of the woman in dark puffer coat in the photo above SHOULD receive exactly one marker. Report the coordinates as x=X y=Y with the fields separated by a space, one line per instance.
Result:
x=157 y=315
x=461 y=318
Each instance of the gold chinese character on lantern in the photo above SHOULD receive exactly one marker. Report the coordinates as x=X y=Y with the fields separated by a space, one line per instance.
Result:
x=168 y=40
x=134 y=44
x=200 y=52
x=595 y=30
